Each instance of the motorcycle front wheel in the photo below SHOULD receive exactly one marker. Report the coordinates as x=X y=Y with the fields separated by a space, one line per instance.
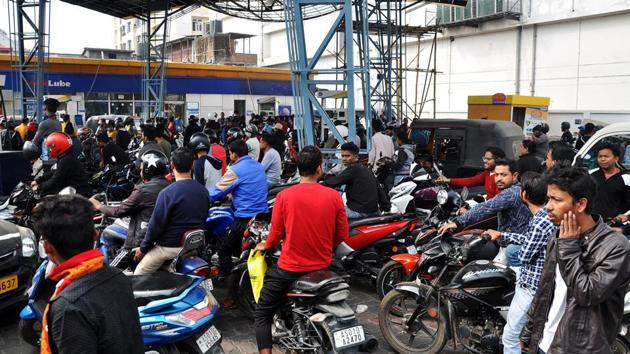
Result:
x=242 y=288
x=426 y=334
x=391 y=274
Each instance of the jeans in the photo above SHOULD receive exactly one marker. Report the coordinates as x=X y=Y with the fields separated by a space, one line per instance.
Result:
x=357 y=215
x=517 y=316
x=232 y=244
x=512 y=255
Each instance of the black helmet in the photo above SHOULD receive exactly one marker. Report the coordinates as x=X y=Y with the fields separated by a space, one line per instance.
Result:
x=199 y=141
x=154 y=163
x=545 y=128
x=234 y=134
x=30 y=151
x=212 y=135
x=251 y=130
x=565 y=125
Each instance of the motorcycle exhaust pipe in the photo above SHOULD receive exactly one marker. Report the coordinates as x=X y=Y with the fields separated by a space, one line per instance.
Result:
x=370 y=345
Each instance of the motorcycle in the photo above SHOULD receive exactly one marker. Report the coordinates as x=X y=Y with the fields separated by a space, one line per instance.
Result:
x=622 y=341
x=116 y=182
x=175 y=311
x=471 y=308
x=401 y=266
x=316 y=318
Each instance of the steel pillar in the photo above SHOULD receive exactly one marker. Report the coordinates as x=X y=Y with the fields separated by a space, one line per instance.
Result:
x=155 y=38
x=307 y=78
x=31 y=16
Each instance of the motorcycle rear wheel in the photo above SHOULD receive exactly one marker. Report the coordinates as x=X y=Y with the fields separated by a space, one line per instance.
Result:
x=242 y=289
x=391 y=274
x=394 y=311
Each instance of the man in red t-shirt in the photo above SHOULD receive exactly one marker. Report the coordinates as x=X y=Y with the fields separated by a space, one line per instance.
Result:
x=311 y=221
x=485 y=178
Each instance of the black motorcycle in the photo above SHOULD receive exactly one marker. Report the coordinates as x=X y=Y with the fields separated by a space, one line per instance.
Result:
x=470 y=309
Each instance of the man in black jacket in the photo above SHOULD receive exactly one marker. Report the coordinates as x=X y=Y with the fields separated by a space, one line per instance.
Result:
x=139 y=205
x=191 y=129
x=67 y=172
x=111 y=153
x=579 y=304
x=363 y=192
x=527 y=160
x=93 y=309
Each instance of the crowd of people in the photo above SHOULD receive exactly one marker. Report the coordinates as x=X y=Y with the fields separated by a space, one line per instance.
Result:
x=572 y=268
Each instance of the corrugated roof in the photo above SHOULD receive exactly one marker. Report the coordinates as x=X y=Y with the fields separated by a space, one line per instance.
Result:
x=129 y=8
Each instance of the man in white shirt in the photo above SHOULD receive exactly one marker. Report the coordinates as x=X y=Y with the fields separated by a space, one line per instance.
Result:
x=382 y=145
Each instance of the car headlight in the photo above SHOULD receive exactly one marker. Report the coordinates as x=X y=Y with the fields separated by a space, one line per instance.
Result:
x=442 y=197
x=29 y=242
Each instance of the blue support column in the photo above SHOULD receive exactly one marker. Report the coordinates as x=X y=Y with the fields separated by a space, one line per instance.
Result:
x=304 y=70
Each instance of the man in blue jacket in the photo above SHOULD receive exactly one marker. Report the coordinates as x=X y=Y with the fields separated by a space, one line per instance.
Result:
x=245 y=179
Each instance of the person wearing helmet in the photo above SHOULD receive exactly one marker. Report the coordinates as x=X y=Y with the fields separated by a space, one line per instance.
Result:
x=47 y=127
x=67 y=172
x=251 y=133
x=31 y=130
x=567 y=136
x=206 y=169
x=180 y=207
x=217 y=150
x=139 y=205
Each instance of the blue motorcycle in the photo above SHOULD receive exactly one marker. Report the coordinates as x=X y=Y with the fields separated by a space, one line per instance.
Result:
x=175 y=311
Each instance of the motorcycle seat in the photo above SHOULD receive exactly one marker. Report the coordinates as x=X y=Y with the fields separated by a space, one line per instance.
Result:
x=374 y=220
x=158 y=286
x=314 y=281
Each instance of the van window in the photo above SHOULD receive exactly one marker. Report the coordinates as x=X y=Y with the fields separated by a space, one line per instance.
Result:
x=622 y=141
x=449 y=145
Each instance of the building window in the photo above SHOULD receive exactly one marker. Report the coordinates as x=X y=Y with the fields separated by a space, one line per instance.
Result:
x=197 y=25
x=138 y=39
x=122 y=31
x=128 y=27
x=123 y=46
x=129 y=45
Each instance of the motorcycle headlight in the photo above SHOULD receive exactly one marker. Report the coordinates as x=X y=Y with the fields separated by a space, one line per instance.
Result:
x=29 y=242
x=442 y=197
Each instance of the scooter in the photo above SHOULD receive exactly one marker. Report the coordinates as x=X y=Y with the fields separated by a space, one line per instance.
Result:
x=175 y=311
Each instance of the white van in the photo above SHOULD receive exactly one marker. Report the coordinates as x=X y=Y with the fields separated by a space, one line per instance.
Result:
x=617 y=134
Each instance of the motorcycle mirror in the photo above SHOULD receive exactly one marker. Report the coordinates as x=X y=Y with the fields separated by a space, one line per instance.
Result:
x=464 y=193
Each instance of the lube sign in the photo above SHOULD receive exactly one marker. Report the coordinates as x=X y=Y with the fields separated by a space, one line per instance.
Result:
x=57 y=83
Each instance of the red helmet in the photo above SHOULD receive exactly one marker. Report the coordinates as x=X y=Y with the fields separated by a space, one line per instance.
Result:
x=58 y=143
x=31 y=127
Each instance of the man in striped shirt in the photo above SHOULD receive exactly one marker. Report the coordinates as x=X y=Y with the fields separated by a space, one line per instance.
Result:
x=531 y=252
x=513 y=215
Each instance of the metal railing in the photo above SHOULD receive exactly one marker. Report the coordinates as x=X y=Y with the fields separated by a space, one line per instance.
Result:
x=478 y=10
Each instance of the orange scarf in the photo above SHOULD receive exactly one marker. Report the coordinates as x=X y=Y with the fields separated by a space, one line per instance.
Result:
x=65 y=273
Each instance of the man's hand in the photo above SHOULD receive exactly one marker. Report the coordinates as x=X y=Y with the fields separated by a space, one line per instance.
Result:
x=461 y=211
x=95 y=203
x=443 y=179
x=494 y=234
x=447 y=226
x=260 y=247
x=569 y=227
x=137 y=254
x=622 y=218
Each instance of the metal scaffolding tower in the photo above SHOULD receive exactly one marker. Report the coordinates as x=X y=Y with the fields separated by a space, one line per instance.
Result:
x=307 y=77
x=29 y=19
x=155 y=36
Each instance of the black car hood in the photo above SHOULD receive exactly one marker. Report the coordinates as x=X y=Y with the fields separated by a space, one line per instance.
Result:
x=9 y=237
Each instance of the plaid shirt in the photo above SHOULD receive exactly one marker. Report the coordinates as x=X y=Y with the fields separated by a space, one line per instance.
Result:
x=513 y=214
x=533 y=248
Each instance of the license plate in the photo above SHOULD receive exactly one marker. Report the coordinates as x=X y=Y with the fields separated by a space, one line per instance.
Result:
x=8 y=283
x=349 y=336
x=412 y=250
x=208 y=339
x=207 y=285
